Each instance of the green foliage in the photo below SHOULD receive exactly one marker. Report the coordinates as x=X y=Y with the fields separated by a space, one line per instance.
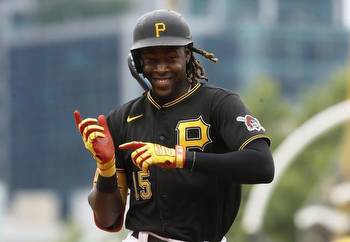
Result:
x=296 y=185
x=280 y=118
x=318 y=98
x=71 y=233
x=264 y=99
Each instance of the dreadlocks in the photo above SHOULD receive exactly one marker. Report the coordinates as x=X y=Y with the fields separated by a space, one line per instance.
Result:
x=195 y=69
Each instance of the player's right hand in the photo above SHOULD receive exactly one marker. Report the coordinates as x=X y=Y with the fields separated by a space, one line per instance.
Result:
x=98 y=141
x=148 y=154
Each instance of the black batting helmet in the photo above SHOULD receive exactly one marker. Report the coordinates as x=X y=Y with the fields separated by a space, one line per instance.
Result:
x=159 y=28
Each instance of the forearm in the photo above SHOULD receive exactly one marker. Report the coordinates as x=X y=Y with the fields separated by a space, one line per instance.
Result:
x=254 y=164
x=106 y=201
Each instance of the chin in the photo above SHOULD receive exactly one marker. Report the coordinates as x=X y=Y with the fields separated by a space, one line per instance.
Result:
x=161 y=93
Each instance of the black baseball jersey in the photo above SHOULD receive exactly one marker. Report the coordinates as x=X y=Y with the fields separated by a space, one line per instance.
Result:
x=183 y=204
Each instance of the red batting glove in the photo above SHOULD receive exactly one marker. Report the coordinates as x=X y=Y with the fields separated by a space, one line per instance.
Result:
x=98 y=141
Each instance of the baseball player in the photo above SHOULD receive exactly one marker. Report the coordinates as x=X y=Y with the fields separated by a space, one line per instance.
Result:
x=183 y=148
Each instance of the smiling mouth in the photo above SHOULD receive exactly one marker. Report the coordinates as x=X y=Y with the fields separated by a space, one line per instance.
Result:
x=161 y=82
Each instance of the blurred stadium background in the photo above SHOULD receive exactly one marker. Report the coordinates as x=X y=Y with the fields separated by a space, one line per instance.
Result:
x=287 y=59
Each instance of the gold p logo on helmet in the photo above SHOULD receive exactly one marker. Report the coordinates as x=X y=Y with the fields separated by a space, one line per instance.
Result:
x=159 y=27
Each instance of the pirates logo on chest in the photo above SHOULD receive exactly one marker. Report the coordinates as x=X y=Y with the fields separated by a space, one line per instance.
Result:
x=193 y=133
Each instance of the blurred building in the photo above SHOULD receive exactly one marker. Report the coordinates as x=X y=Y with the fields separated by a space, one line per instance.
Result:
x=51 y=70
x=58 y=56
x=298 y=43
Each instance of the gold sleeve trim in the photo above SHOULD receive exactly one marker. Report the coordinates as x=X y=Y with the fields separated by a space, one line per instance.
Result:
x=258 y=136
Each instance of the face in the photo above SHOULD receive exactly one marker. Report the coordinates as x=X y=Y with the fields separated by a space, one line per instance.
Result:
x=165 y=68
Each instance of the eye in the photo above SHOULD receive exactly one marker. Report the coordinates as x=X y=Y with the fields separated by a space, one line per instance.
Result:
x=149 y=60
x=172 y=58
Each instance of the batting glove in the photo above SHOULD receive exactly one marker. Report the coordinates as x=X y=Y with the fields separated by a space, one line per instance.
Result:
x=147 y=154
x=98 y=141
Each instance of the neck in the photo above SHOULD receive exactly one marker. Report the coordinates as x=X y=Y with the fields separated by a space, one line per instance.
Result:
x=163 y=100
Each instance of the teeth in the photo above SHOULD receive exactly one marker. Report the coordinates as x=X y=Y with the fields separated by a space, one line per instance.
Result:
x=162 y=80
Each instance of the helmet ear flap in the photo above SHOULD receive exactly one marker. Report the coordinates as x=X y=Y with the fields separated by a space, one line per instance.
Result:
x=137 y=61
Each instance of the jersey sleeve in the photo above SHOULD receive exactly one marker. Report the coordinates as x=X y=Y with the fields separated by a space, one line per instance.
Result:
x=235 y=124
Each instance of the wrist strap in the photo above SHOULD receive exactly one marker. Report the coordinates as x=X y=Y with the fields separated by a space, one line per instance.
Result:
x=107 y=184
x=180 y=156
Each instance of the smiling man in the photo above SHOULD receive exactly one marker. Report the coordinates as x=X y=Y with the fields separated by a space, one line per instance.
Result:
x=183 y=148
x=165 y=67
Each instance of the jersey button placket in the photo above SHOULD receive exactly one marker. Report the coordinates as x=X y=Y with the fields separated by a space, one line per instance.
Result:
x=160 y=129
x=162 y=138
x=160 y=135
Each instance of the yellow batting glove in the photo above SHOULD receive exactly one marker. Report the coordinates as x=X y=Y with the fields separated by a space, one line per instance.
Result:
x=147 y=154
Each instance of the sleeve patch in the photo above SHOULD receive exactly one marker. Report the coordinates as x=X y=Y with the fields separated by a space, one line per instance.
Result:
x=250 y=122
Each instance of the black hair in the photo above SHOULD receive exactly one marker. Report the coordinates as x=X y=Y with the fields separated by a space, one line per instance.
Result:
x=195 y=70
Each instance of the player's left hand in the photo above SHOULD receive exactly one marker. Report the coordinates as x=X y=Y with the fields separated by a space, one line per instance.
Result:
x=147 y=154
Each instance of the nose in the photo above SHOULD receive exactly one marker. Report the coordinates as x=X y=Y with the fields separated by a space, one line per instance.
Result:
x=161 y=67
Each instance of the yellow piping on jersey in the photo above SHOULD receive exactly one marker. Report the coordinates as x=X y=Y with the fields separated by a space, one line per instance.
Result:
x=177 y=100
x=251 y=139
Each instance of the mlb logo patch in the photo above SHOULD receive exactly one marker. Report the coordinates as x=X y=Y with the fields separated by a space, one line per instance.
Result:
x=250 y=122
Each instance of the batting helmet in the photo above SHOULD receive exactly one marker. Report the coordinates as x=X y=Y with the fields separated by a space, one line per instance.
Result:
x=159 y=28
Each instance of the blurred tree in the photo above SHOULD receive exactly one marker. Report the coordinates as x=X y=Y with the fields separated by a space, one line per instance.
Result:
x=311 y=167
x=264 y=98
x=280 y=117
